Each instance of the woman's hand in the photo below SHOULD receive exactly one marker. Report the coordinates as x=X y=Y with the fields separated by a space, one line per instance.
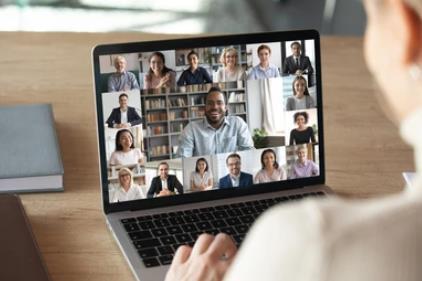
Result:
x=208 y=260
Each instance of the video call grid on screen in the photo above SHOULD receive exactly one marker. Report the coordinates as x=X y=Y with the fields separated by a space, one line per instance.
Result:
x=267 y=95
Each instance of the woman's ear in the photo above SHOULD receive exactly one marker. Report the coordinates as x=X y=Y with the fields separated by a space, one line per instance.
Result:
x=411 y=32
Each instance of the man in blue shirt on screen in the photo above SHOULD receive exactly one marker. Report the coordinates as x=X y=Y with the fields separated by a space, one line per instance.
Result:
x=216 y=133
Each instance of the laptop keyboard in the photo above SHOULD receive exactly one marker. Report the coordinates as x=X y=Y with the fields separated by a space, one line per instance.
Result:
x=157 y=237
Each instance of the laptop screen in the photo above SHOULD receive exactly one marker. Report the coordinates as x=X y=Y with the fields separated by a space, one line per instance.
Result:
x=204 y=118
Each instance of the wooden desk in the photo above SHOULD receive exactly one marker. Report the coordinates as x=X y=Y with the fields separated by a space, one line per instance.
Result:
x=365 y=156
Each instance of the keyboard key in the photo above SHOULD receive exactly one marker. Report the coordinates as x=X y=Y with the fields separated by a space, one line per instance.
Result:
x=241 y=229
x=151 y=262
x=248 y=210
x=165 y=250
x=144 y=218
x=176 y=221
x=212 y=231
x=238 y=238
x=165 y=260
x=220 y=215
x=163 y=222
x=183 y=238
x=159 y=232
x=128 y=220
x=130 y=227
x=247 y=219
x=218 y=223
x=205 y=216
x=146 y=225
x=204 y=225
x=174 y=229
x=233 y=221
x=228 y=230
x=140 y=235
x=195 y=234
x=148 y=253
x=167 y=240
x=191 y=218
x=234 y=212
x=146 y=243
x=189 y=228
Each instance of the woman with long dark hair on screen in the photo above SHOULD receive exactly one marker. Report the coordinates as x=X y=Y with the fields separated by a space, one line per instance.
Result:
x=301 y=98
x=201 y=179
x=271 y=170
x=159 y=75
x=126 y=153
x=303 y=133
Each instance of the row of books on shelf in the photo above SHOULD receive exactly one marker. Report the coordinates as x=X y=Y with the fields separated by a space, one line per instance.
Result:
x=156 y=116
x=159 y=150
x=180 y=114
x=156 y=130
x=154 y=103
x=236 y=97
x=197 y=112
x=177 y=102
x=237 y=109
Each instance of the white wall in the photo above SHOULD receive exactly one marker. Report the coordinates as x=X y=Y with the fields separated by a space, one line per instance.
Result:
x=256 y=108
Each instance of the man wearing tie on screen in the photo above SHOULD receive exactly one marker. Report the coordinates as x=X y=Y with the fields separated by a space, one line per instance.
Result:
x=297 y=64
x=123 y=116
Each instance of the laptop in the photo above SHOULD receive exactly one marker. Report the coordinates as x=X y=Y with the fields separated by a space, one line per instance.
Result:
x=203 y=135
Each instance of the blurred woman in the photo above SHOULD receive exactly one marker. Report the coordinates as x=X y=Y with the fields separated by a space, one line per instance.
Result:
x=127 y=189
x=303 y=133
x=231 y=70
x=271 y=170
x=301 y=98
x=159 y=75
x=201 y=179
x=126 y=153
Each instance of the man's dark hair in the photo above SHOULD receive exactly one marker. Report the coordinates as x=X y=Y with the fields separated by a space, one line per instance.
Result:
x=295 y=43
x=216 y=89
x=123 y=95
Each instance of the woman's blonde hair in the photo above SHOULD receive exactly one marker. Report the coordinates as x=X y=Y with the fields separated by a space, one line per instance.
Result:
x=225 y=51
x=127 y=171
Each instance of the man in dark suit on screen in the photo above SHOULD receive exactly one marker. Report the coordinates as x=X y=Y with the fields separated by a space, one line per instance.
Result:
x=164 y=184
x=297 y=64
x=123 y=116
x=235 y=178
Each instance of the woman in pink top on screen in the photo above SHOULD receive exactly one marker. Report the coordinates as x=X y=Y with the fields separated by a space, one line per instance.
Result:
x=159 y=75
x=126 y=153
x=271 y=170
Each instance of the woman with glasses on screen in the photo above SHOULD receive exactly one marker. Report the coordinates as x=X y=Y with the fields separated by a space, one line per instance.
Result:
x=127 y=189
